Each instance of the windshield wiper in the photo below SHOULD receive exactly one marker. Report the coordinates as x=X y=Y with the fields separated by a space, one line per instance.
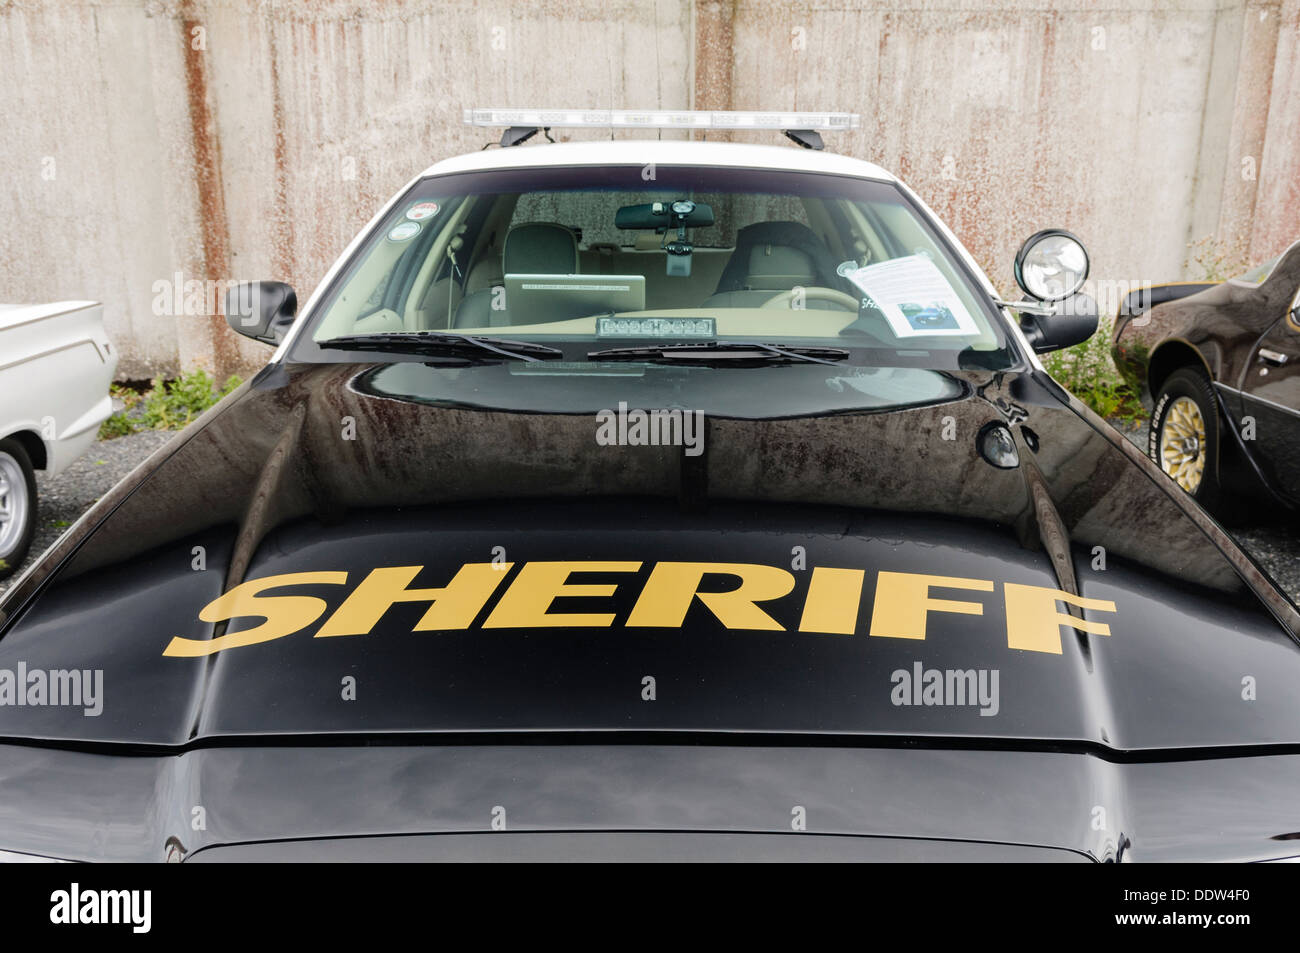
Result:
x=441 y=344
x=723 y=352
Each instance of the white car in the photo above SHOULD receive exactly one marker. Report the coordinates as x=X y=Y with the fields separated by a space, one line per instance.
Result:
x=467 y=280
x=56 y=363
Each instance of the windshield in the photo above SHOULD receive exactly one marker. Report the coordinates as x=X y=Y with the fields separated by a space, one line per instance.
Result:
x=598 y=258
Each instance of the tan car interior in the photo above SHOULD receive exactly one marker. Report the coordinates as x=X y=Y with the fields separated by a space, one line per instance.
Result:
x=743 y=267
x=503 y=246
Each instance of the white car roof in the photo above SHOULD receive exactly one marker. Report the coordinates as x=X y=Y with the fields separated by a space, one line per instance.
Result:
x=661 y=152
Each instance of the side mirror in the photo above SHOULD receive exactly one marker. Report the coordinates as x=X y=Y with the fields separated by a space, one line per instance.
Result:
x=1068 y=323
x=261 y=310
x=1051 y=267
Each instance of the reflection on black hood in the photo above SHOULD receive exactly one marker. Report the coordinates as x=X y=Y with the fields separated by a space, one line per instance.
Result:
x=344 y=469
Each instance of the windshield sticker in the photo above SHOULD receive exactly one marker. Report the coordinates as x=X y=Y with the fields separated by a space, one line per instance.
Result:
x=404 y=231
x=915 y=298
x=905 y=605
x=422 y=210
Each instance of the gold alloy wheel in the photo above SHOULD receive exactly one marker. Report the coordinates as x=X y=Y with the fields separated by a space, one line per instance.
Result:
x=1182 y=443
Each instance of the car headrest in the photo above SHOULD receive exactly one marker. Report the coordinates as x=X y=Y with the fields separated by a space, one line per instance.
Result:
x=779 y=268
x=778 y=256
x=540 y=248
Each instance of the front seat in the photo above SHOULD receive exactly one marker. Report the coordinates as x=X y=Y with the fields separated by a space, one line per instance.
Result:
x=772 y=257
x=533 y=248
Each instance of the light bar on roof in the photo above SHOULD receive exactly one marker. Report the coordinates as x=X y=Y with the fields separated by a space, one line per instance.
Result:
x=660 y=119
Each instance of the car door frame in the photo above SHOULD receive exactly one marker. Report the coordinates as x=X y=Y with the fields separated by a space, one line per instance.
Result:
x=1274 y=357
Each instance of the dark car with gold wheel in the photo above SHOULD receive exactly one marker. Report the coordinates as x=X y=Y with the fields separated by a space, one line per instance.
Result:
x=1219 y=364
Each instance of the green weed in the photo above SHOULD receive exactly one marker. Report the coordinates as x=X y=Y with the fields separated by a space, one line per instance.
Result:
x=168 y=405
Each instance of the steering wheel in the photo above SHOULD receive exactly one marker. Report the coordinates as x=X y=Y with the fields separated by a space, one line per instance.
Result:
x=783 y=299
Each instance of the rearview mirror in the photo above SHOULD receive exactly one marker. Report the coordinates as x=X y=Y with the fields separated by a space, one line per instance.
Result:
x=1070 y=322
x=661 y=216
x=261 y=310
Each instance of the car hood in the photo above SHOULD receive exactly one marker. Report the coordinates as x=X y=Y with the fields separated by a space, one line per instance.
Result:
x=775 y=583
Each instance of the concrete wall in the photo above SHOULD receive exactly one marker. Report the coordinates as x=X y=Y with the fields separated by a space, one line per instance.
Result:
x=228 y=139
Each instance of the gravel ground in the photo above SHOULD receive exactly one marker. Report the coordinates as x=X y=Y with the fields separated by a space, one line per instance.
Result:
x=63 y=498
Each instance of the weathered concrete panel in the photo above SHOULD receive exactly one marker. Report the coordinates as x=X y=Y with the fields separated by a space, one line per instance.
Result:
x=1008 y=117
x=94 y=155
x=1277 y=205
x=217 y=140
x=324 y=112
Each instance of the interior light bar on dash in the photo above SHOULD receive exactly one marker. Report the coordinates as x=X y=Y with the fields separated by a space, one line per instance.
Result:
x=661 y=119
